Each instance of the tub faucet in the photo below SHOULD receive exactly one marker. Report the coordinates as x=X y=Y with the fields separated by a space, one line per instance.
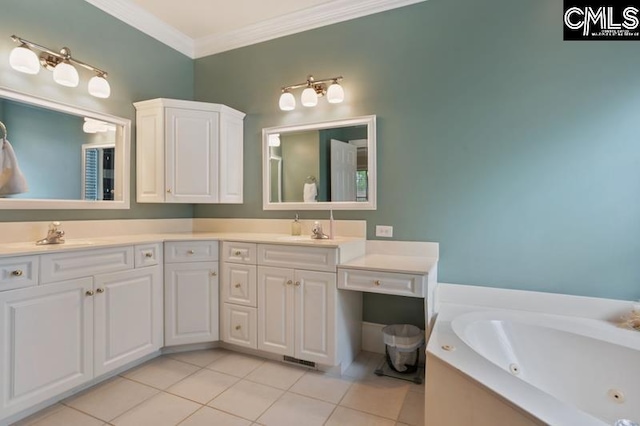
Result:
x=55 y=235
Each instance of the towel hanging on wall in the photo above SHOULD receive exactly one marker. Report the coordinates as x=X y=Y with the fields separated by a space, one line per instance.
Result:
x=12 y=181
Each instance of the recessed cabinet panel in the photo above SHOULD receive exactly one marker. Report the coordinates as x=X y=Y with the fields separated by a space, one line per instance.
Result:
x=45 y=342
x=76 y=264
x=191 y=303
x=239 y=284
x=239 y=325
x=314 y=258
x=276 y=314
x=18 y=272
x=191 y=251
x=382 y=282
x=237 y=252
x=128 y=317
x=231 y=160
x=149 y=177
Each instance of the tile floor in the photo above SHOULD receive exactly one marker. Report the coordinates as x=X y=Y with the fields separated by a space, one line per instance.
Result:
x=219 y=387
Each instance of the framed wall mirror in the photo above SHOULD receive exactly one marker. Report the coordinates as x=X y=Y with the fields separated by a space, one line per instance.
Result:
x=70 y=158
x=320 y=166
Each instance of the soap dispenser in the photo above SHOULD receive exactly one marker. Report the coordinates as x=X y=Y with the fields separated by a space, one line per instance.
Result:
x=296 y=228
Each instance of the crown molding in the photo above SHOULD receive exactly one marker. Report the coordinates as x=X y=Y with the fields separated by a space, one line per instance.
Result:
x=303 y=20
x=296 y=22
x=137 y=17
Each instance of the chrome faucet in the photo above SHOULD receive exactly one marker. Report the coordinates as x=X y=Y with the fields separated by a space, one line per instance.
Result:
x=317 y=233
x=55 y=235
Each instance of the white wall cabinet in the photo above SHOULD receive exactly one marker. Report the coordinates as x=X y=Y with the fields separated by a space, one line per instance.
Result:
x=191 y=292
x=77 y=322
x=188 y=152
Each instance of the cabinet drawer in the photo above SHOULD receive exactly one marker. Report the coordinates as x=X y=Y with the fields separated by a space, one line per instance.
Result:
x=85 y=263
x=239 y=325
x=381 y=282
x=239 y=284
x=239 y=252
x=148 y=255
x=18 y=272
x=191 y=251
x=314 y=258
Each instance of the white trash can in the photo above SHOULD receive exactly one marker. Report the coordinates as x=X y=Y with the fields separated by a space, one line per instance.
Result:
x=402 y=346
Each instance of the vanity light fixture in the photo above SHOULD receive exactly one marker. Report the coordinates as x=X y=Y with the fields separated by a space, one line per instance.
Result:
x=313 y=90
x=24 y=59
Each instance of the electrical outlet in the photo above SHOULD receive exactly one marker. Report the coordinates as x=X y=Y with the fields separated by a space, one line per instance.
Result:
x=384 y=231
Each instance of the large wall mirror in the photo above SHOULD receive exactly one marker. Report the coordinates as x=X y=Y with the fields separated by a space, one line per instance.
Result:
x=70 y=158
x=320 y=166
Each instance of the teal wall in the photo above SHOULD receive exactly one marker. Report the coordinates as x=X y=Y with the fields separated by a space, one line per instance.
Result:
x=519 y=153
x=139 y=68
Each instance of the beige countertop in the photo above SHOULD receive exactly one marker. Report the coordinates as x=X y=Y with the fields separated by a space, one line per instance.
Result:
x=393 y=263
x=29 y=248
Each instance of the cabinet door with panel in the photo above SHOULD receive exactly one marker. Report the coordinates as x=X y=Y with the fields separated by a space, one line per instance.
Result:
x=191 y=303
x=315 y=316
x=239 y=325
x=191 y=161
x=128 y=317
x=45 y=342
x=275 y=310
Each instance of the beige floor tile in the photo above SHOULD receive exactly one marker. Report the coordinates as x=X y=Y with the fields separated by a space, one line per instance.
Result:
x=381 y=396
x=207 y=416
x=161 y=372
x=412 y=411
x=60 y=415
x=343 y=416
x=276 y=374
x=161 y=410
x=235 y=364
x=322 y=386
x=363 y=365
x=296 y=410
x=203 y=386
x=246 y=399
x=108 y=400
x=199 y=358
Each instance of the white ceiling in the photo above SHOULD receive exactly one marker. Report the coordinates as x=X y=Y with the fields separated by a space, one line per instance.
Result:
x=200 y=28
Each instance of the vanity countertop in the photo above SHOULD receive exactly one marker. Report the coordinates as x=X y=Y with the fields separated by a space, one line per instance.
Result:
x=29 y=248
x=420 y=265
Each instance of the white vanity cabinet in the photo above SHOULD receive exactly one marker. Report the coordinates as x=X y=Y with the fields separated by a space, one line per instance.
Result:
x=239 y=299
x=191 y=292
x=188 y=152
x=90 y=312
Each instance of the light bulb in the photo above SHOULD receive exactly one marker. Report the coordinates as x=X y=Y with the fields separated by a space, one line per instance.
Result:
x=309 y=97
x=287 y=101
x=24 y=60
x=335 y=93
x=66 y=74
x=99 y=87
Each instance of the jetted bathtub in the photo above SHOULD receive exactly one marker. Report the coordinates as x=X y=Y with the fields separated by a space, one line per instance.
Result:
x=554 y=369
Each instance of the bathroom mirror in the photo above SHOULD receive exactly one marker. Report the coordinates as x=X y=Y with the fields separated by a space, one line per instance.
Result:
x=320 y=166
x=71 y=158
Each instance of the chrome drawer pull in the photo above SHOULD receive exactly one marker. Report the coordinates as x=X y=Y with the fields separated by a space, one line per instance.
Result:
x=237 y=285
x=190 y=252
x=214 y=274
x=89 y=293
x=297 y=284
x=377 y=282
x=100 y=290
x=17 y=273
x=148 y=255
x=238 y=327
x=289 y=282
x=238 y=253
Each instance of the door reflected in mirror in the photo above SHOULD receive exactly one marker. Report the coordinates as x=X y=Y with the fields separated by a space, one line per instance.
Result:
x=321 y=165
x=70 y=158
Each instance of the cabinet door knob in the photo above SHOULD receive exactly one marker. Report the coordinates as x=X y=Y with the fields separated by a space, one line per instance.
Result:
x=100 y=290
x=377 y=282
x=238 y=327
x=190 y=252
x=148 y=255
x=238 y=253
x=289 y=282
x=168 y=191
x=17 y=273
x=89 y=293
x=237 y=285
x=214 y=274
x=297 y=284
